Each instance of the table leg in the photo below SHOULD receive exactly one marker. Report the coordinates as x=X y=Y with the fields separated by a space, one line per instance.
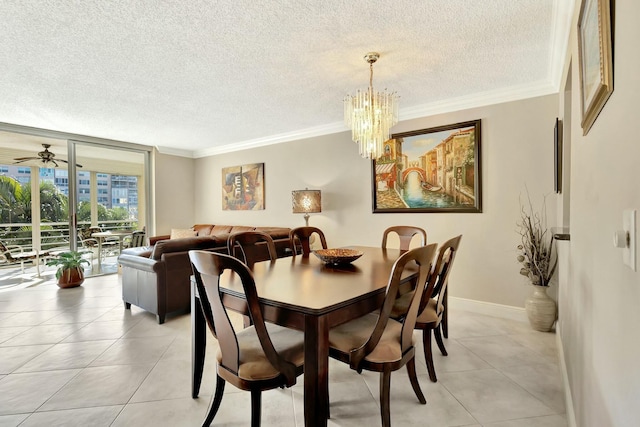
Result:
x=316 y=371
x=198 y=342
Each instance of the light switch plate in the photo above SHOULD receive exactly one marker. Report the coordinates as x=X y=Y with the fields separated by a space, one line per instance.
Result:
x=629 y=225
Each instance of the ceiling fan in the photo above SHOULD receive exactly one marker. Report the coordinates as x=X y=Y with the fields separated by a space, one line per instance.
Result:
x=45 y=157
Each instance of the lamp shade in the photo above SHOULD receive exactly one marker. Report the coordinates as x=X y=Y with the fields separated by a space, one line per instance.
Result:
x=306 y=201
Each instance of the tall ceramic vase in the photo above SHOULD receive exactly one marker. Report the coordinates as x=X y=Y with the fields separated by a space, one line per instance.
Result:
x=541 y=309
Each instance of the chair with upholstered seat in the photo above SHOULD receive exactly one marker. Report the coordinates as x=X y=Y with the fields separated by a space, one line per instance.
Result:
x=405 y=234
x=260 y=357
x=376 y=342
x=244 y=246
x=303 y=235
x=432 y=306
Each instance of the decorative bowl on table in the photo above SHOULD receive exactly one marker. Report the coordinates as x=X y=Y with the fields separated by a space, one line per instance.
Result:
x=337 y=256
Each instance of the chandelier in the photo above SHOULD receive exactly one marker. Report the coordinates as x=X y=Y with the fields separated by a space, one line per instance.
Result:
x=370 y=115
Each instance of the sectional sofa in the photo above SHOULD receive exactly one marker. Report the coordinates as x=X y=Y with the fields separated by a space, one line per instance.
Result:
x=156 y=277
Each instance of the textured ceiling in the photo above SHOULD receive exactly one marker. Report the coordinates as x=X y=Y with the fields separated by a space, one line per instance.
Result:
x=210 y=76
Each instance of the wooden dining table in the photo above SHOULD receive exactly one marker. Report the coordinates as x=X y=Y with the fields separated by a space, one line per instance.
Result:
x=305 y=294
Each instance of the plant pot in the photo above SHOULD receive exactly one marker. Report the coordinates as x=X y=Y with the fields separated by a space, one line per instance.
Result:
x=71 y=278
x=541 y=309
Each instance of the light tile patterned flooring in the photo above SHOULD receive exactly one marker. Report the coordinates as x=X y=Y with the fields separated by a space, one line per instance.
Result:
x=76 y=357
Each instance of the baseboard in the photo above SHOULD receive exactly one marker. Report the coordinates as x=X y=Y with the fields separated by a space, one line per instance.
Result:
x=489 y=308
x=568 y=399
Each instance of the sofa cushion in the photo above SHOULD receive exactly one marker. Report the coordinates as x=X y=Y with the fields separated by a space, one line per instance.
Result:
x=241 y=228
x=186 y=244
x=275 y=232
x=181 y=233
x=221 y=229
x=203 y=229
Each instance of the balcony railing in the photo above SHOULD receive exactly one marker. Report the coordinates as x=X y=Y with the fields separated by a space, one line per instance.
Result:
x=54 y=234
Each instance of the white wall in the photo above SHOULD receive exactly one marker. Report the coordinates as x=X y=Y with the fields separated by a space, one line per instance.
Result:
x=517 y=149
x=599 y=308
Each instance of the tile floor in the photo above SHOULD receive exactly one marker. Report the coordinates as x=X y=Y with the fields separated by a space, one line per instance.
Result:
x=75 y=357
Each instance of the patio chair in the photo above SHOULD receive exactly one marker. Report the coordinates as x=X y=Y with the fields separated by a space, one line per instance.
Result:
x=90 y=244
x=138 y=238
x=15 y=254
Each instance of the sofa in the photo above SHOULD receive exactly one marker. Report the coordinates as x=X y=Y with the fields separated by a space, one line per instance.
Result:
x=156 y=277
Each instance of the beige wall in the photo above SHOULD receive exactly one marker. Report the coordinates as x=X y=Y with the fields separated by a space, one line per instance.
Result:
x=517 y=149
x=600 y=318
x=174 y=193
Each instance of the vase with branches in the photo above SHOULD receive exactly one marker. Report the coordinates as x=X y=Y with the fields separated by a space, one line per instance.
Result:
x=536 y=253
x=539 y=260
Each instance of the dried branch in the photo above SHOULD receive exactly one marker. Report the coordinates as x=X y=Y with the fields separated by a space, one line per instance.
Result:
x=538 y=259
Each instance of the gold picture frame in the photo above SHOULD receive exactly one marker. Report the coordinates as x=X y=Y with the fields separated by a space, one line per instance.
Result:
x=596 y=59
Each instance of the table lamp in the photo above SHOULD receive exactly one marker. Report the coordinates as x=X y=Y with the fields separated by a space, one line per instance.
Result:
x=306 y=201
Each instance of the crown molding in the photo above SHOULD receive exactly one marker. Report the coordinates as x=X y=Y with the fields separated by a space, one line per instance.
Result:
x=328 y=129
x=175 y=152
x=439 y=107
x=560 y=32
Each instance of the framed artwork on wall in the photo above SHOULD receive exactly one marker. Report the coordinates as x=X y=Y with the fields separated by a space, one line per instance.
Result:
x=596 y=59
x=557 y=156
x=243 y=187
x=430 y=170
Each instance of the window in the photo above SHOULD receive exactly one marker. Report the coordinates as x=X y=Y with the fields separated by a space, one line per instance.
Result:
x=26 y=171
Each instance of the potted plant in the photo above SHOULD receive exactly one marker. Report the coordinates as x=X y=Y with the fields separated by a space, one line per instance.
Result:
x=70 y=272
x=539 y=260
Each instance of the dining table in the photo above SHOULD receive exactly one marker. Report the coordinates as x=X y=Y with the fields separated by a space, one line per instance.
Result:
x=303 y=293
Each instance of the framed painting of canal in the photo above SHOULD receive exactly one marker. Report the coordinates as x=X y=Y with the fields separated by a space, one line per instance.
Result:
x=243 y=187
x=430 y=170
x=596 y=60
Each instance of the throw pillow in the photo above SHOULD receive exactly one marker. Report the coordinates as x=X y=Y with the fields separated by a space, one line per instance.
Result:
x=181 y=233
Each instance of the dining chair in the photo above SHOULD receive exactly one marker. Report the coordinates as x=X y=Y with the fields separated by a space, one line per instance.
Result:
x=376 y=342
x=247 y=246
x=258 y=358
x=405 y=234
x=433 y=307
x=303 y=235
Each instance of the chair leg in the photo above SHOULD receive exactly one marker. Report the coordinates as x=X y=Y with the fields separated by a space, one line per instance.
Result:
x=385 y=409
x=445 y=314
x=215 y=402
x=127 y=305
x=426 y=344
x=256 y=397
x=411 y=370
x=438 y=336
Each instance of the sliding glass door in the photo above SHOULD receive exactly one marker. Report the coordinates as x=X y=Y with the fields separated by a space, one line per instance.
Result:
x=92 y=186
x=109 y=200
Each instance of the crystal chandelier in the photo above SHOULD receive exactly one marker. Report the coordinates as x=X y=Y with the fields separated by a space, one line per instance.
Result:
x=370 y=115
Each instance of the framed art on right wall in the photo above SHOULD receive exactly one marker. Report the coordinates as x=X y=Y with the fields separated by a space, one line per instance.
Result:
x=596 y=59
x=557 y=156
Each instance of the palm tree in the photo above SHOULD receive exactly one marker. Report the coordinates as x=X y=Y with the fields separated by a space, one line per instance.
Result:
x=13 y=201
